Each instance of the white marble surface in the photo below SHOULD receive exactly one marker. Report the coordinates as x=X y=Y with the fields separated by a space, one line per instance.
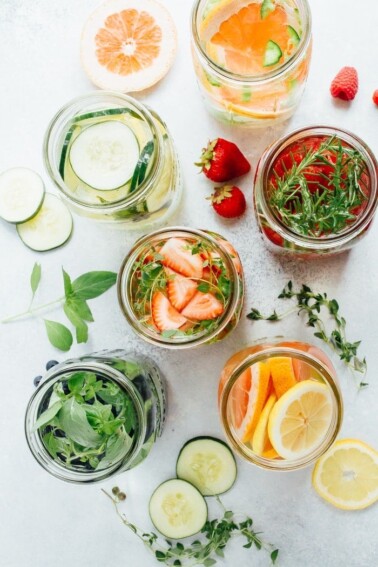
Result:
x=45 y=522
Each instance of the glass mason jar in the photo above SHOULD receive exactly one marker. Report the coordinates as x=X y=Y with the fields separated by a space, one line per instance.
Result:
x=294 y=149
x=111 y=409
x=180 y=287
x=113 y=159
x=240 y=84
x=260 y=390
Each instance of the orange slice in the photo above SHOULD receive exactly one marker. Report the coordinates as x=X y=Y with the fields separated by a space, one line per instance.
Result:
x=128 y=45
x=249 y=398
x=282 y=372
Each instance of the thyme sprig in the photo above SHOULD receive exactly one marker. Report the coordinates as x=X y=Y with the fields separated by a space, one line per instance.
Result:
x=216 y=534
x=318 y=209
x=311 y=304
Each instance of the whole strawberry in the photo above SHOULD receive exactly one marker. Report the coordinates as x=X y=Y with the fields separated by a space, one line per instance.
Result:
x=222 y=160
x=375 y=97
x=345 y=84
x=228 y=201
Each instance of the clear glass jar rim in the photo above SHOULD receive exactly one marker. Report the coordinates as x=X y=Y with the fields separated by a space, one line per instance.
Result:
x=123 y=288
x=272 y=152
x=147 y=184
x=274 y=350
x=272 y=75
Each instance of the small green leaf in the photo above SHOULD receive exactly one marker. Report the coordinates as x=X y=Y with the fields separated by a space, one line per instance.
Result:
x=204 y=287
x=274 y=555
x=81 y=307
x=47 y=416
x=93 y=284
x=74 y=423
x=208 y=562
x=35 y=277
x=67 y=284
x=59 y=336
x=79 y=324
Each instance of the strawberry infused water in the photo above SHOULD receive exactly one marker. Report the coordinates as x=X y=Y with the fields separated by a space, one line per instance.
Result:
x=181 y=287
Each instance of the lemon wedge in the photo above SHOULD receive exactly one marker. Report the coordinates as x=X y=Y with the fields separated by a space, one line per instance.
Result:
x=346 y=476
x=260 y=436
x=300 y=419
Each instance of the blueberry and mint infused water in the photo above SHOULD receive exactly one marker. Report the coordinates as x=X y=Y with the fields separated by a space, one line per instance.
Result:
x=182 y=287
x=98 y=418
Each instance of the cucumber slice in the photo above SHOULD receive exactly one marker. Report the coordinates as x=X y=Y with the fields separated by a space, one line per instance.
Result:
x=177 y=509
x=21 y=194
x=273 y=54
x=141 y=167
x=294 y=37
x=107 y=112
x=267 y=7
x=208 y=463
x=104 y=155
x=49 y=228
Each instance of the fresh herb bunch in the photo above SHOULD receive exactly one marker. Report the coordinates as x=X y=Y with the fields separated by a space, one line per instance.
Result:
x=148 y=276
x=326 y=205
x=206 y=551
x=311 y=304
x=75 y=306
x=89 y=422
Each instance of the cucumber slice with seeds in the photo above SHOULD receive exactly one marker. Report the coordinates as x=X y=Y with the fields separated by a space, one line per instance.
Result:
x=273 y=54
x=177 y=509
x=294 y=37
x=21 y=194
x=104 y=155
x=49 y=228
x=209 y=464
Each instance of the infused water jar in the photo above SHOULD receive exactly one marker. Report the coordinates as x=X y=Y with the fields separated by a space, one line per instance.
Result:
x=180 y=287
x=113 y=159
x=251 y=58
x=316 y=191
x=280 y=404
x=96 y=416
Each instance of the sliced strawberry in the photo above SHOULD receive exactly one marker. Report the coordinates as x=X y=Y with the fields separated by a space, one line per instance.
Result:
x=203 y=306
x=232 y=252
x=165 y=316
x=180 y=259
x=180 y=289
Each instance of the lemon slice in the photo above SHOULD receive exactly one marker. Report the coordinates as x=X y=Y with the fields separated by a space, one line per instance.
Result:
x=347 y=475
x=300 y=419
x=260 y=436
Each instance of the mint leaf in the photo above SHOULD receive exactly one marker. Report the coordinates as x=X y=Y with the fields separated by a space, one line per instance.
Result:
x=81 y=307
x=74 y=423
x=47 y=415
x=35 y=277
x=80 y=326
x=67 y=284
x=59 y=336
x=93 y=284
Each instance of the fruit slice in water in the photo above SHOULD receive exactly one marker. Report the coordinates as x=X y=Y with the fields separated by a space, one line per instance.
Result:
x=165 y=316
x=347 y=475
x=21 y=194
x=128 y=45
x=282 y=372
x=104 y=155
x=180 y=289
x=300 y=419
x=260 y=438
x=49 y=228
x=177 y=509
x=179 y=258
x=203 y=307
x=208 y=463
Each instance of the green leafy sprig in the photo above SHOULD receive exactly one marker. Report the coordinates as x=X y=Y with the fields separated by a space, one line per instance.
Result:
x=329 y=208
x=216 y=534
x=76 y=294
x=311 y=304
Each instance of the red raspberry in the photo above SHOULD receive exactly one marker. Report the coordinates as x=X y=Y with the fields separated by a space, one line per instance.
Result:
x=375 y=97
x=345 y=84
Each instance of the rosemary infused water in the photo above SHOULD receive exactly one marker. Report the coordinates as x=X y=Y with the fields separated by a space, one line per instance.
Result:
x=316 y=191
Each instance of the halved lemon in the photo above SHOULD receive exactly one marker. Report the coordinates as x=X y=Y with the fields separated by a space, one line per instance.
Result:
x=347 y=475
x=128 y=45
x=300 y=419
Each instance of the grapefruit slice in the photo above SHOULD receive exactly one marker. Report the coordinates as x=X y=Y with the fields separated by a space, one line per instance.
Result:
x=128 y=45
x=283 y=377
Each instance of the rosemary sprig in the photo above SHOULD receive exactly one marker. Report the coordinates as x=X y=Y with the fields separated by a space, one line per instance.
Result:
x=318 y=209
x=216 y=534
x=311 y=304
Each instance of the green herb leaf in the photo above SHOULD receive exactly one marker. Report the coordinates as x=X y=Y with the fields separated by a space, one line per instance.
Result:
x=93 y=284
x=59 y=336
x=74 y=423
x=47 y=416
x=80 y=306
x=274 y=555
x=35 y=277
x=204 y=287
x=67 y=284
x=79 y=324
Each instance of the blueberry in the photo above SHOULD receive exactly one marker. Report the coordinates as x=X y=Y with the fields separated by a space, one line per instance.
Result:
x=37 y=380
x=51 y=363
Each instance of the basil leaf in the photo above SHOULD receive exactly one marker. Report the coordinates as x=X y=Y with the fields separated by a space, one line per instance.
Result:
x=81 y=307
x=47 y=416
x=35 y=277
x=117 y=445
x=80 y=325
x=93 y=284
x=74 y=423
x=67 y=284
x=59 y=336
x=76 y=382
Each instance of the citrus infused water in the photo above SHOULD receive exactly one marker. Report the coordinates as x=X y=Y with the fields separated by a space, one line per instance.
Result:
x=280 y=404
x=251 y=58
x=113 y=159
